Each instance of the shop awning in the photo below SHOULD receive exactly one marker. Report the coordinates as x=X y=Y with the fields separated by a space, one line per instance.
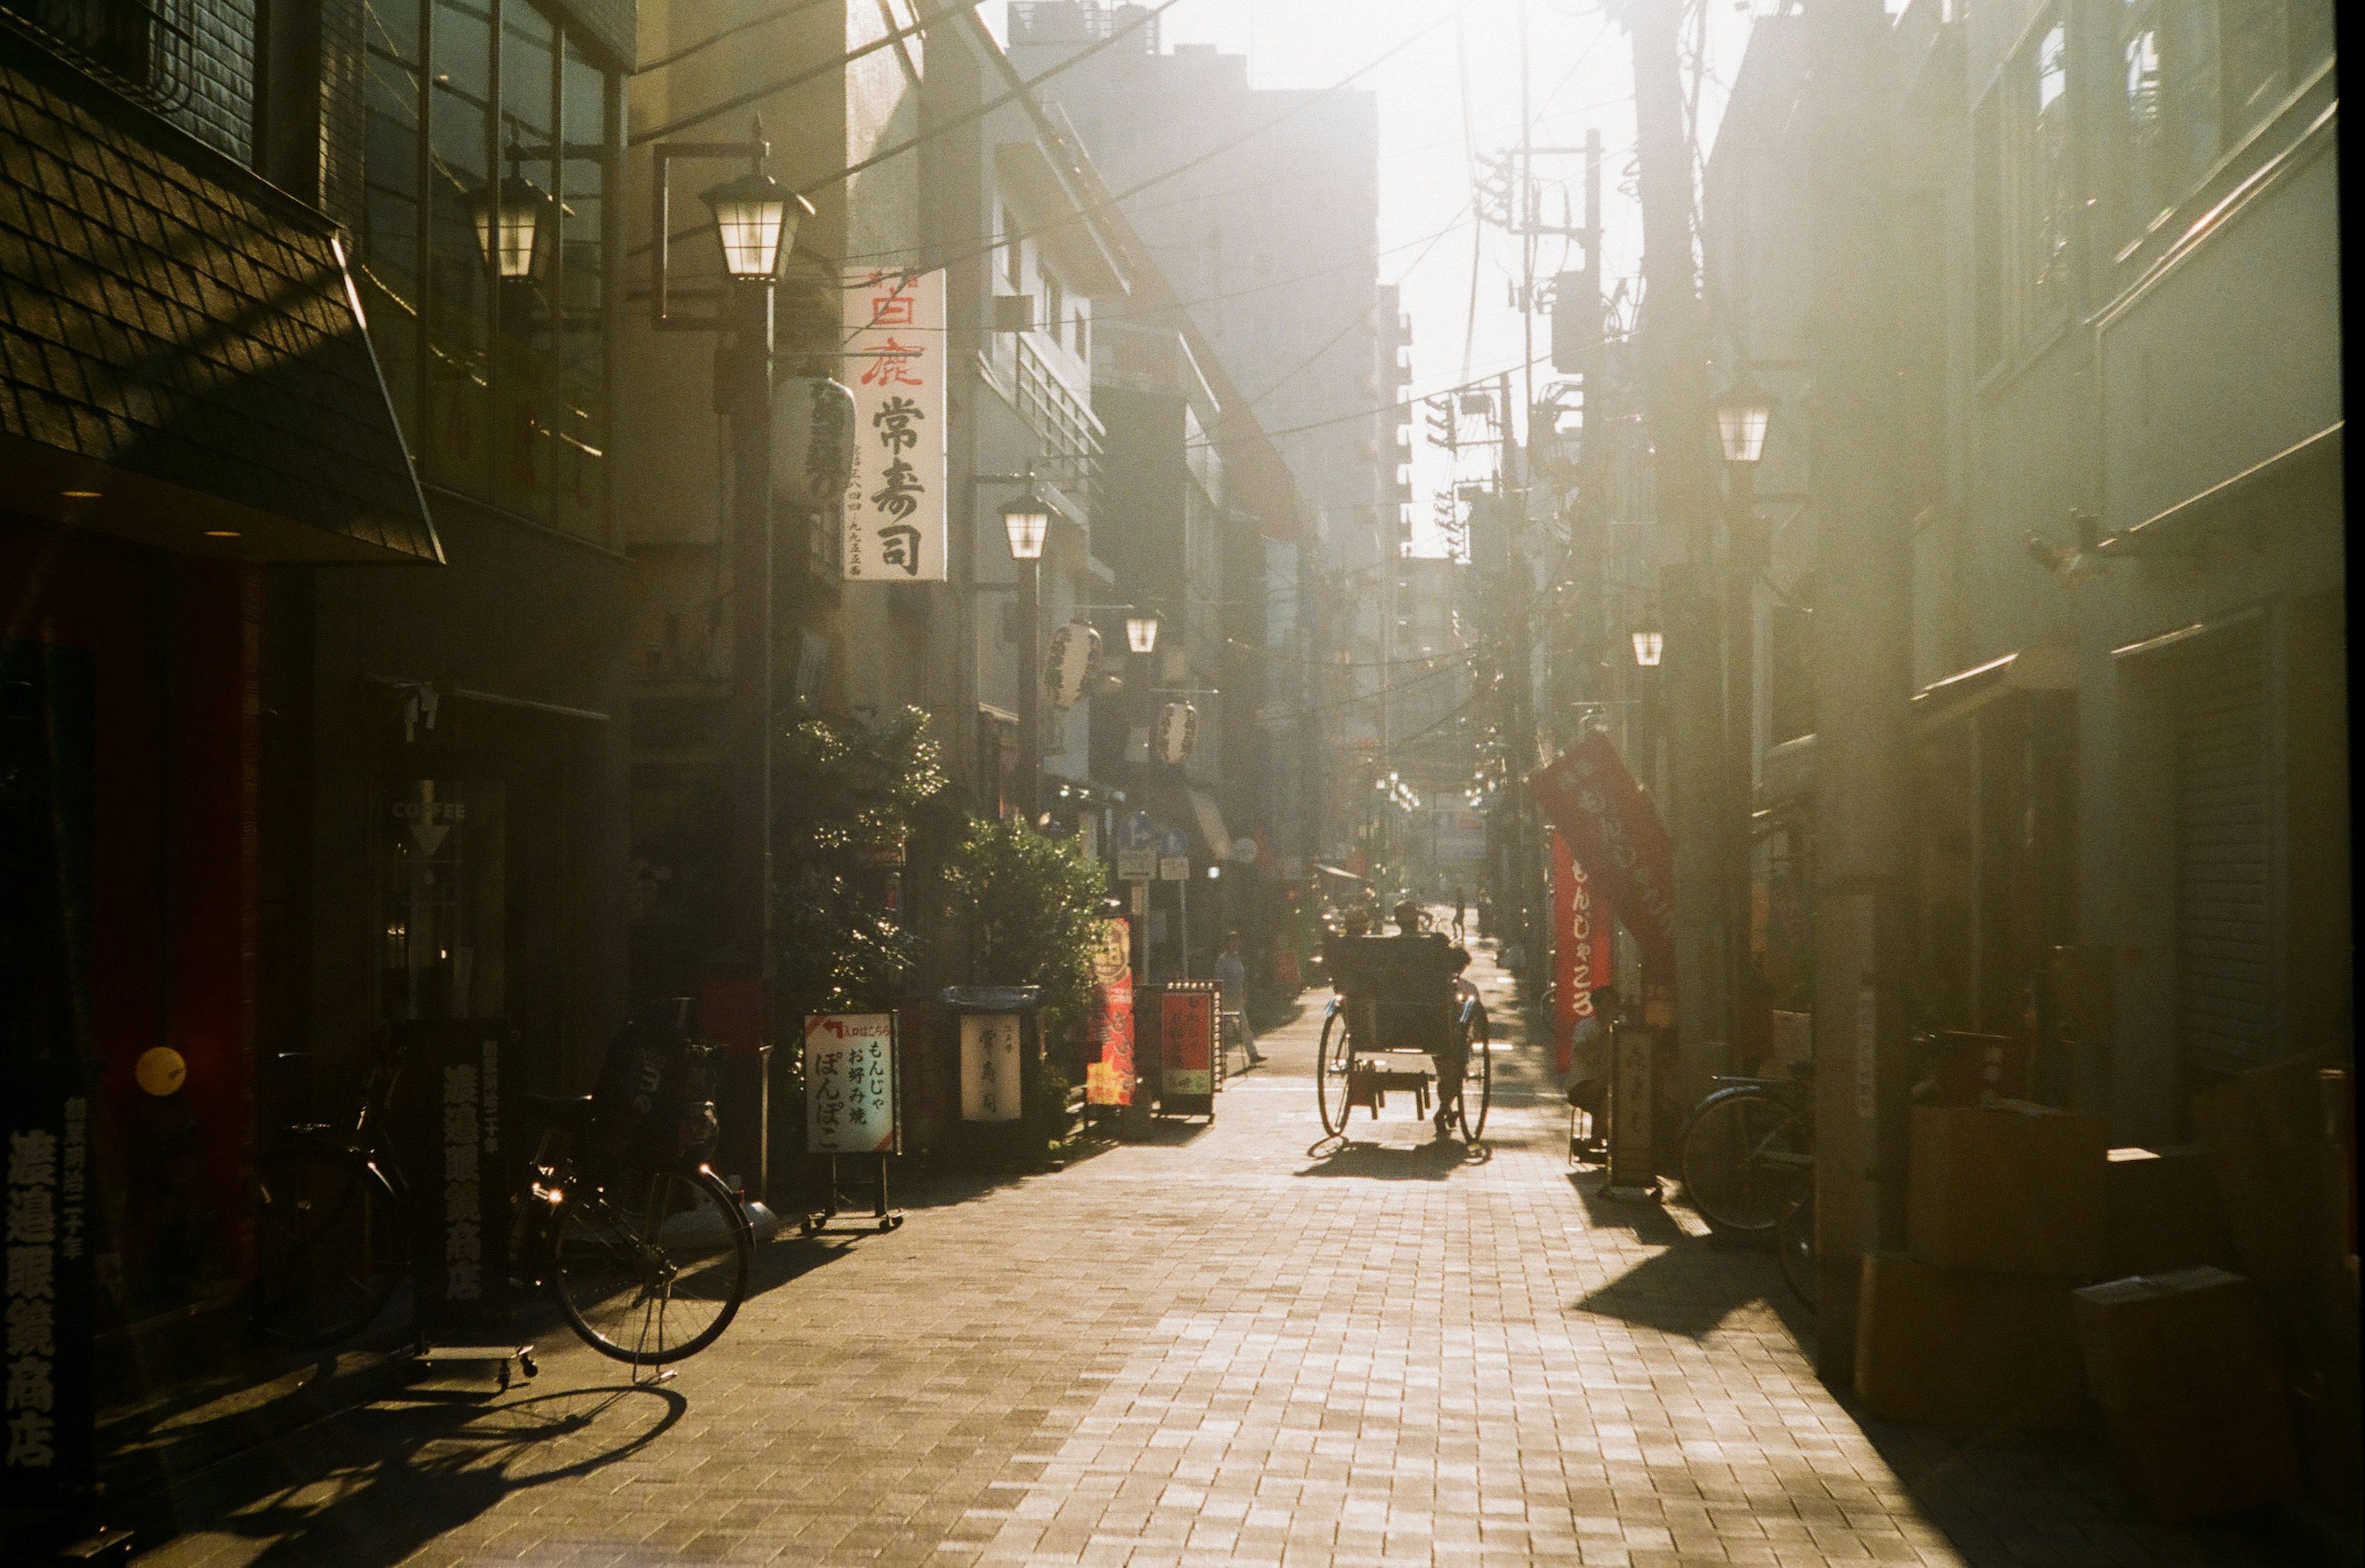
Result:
x=182 y=355
x=2043 y=666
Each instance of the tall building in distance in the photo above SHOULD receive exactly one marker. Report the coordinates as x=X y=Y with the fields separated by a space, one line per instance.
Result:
x=1262 y=205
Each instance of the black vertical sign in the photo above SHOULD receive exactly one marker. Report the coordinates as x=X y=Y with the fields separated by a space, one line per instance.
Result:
x=48 y=1440
x=449 y=1110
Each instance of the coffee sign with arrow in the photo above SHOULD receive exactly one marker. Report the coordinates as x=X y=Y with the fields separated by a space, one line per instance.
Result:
x=428 y=820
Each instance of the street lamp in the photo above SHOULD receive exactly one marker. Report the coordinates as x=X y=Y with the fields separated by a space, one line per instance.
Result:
x=1026 y=522
x=755 y=222
x=1141 y=634
x=1649 y=646
x=1743 y=416
x=755 y=217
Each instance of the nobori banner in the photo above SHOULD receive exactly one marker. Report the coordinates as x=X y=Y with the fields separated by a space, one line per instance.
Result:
x=895 y=360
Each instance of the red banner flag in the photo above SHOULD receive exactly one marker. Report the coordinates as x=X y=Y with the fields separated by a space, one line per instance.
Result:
x=1616 y=834
x=1581 y=948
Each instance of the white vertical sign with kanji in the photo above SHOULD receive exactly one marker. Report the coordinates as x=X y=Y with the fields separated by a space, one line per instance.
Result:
x=992 y=1089
x=895 y=362
x=850 y=1094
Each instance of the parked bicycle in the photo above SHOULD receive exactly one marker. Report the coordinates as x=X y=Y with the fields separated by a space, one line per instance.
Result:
x=641 y=1246
x=1748 y=1162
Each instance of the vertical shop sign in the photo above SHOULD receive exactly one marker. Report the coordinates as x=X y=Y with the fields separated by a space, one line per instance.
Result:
x=1186 y=1035
x=1109 y=1080
x=1581 y=946
x=895 y=356
x=1615 y=833
x=850 y=1085
x=992 y=1090
x=48 y=1450
x=453 y=1131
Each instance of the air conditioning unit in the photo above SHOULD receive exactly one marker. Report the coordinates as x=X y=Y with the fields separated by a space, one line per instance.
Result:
x=1012 y=313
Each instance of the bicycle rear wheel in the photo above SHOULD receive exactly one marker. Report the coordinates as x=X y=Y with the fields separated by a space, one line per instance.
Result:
x=1331 y=1065
x=1794 y=1238
x=1726 y=1173
x=329 y=1245
x=654 y=1268
x=1478 y=1075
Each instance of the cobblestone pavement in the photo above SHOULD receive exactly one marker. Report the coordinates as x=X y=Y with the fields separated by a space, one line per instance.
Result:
x=1215 y=1347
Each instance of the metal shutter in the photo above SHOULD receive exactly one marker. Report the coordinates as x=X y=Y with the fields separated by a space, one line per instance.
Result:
x=2225 y=999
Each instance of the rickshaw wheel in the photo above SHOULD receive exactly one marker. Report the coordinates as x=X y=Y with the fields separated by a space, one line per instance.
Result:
x=1477 y=1073
x=1332 y=1065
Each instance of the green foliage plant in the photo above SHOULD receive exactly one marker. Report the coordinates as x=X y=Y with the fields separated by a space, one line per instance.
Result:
x=1033 y=905
x=844 y=796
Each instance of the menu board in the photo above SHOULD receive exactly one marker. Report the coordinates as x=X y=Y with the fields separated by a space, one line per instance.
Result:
x=850 y=1085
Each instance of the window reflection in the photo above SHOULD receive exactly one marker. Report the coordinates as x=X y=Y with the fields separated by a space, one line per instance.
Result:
x=459 y=278
x=390 y=233
x=499 y=374
x=578 y=450
x=526 y=388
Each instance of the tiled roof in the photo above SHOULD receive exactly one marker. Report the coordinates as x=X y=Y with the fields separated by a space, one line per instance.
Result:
x=163 y=312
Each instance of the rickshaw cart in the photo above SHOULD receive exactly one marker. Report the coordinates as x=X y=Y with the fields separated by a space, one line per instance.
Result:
x=1398 y=999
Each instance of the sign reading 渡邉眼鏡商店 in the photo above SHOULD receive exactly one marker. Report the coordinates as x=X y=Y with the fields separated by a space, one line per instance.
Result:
x=895 y=362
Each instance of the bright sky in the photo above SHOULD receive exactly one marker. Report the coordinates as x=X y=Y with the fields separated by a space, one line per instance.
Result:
x=1449 y=87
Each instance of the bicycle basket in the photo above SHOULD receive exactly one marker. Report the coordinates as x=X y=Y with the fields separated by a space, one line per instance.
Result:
x=655 y=1102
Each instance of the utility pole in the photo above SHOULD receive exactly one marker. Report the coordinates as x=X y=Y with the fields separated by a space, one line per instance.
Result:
x=1674 y=373
x=1863 y=674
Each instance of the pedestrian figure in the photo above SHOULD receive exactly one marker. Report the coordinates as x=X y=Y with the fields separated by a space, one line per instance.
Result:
x=1232 y=976
x=1461 y=913
x=1588 y=1068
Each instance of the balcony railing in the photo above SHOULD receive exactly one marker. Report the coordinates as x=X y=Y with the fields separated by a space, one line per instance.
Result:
x=1076 y=21
x=1071 y=434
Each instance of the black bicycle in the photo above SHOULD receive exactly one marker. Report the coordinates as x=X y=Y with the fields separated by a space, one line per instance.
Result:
x=647 y=1260
x=1748 y=1162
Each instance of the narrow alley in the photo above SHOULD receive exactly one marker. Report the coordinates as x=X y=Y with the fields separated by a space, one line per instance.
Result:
x=1214 y=1347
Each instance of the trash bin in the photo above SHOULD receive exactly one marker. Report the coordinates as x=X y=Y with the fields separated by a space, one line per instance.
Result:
x=999 y=1042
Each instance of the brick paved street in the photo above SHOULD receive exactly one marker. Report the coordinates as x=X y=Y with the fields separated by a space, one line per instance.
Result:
x=1211 y=1348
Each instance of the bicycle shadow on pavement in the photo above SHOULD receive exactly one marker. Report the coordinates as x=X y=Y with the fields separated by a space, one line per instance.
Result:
x=1691 y=1286
x=381 y=1481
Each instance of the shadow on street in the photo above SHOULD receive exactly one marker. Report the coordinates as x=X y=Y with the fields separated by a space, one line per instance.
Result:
x=379 y=1482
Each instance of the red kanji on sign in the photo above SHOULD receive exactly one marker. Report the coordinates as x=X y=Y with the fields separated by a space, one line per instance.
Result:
x=891 y=366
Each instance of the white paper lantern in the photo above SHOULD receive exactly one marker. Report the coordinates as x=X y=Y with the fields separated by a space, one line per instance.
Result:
x=812 y=441
x=1069 y=663
x=1177 y=733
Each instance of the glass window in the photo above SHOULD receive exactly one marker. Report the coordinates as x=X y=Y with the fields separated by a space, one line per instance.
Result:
x=390 y=230
x=483 y=257
x=2024 y=202
x=2197 y=77
x=459 y=273
x=580 y=443
x=525 y=382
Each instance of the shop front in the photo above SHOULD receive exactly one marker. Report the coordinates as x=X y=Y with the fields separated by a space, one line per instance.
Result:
x=191 y=414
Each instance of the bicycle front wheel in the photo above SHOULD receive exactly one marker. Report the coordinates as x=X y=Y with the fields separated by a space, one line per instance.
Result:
x=1737 y=1189
x=329 y=1245
x=654 y=1268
